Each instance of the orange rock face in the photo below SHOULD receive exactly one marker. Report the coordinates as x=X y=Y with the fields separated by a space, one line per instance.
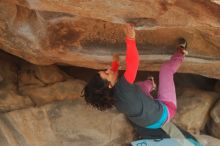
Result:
x=86 y=33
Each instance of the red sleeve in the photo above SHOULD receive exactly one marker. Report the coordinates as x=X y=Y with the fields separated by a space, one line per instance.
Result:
x=115 y=66
x=132 y=60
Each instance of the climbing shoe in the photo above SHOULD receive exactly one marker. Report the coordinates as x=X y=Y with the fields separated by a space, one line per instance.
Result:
x=182 y=46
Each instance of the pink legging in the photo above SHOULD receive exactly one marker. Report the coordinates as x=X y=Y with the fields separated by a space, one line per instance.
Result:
x=166 y=90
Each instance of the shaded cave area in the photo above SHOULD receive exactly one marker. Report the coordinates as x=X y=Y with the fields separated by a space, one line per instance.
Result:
x=181 y=79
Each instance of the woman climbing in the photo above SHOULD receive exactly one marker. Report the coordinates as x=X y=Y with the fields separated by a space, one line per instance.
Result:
x=106 y=89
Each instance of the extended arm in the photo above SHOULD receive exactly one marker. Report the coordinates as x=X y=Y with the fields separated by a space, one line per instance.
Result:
x=132 y=56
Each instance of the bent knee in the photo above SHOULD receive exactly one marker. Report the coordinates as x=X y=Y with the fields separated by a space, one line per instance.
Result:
x=171 y=109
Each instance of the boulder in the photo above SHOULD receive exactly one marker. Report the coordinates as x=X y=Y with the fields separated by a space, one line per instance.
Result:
x=214 y=128
x=45 y=84
x=11 y=100
x=69 y=89
x=63 y=124
x=30 y=75
x=193 y=106
x=74 y=33
x=207 y=140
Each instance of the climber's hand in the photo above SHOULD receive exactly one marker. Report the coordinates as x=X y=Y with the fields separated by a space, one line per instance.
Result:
x=115 y=57
x=129 y=31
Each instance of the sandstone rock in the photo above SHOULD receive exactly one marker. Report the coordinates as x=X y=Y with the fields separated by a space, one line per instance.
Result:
x=112 y=11
x=193 y=109
x=10 y=100
x=64 y=124
x=44 y=84
x=70 y=89
x=214 y=129
x=30 y=74
x=206 y=140
x=49 y=74
x=47 y=32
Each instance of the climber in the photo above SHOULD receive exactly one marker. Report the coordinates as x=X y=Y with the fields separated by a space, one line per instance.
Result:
x=105 y=89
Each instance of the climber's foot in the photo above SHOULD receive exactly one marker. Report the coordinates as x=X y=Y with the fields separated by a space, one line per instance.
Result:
x=182 y=46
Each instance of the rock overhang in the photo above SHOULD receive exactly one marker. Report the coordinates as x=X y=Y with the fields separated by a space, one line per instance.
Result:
x=87 y=33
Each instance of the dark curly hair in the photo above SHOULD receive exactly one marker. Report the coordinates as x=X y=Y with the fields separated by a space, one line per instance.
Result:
x=98 y=94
